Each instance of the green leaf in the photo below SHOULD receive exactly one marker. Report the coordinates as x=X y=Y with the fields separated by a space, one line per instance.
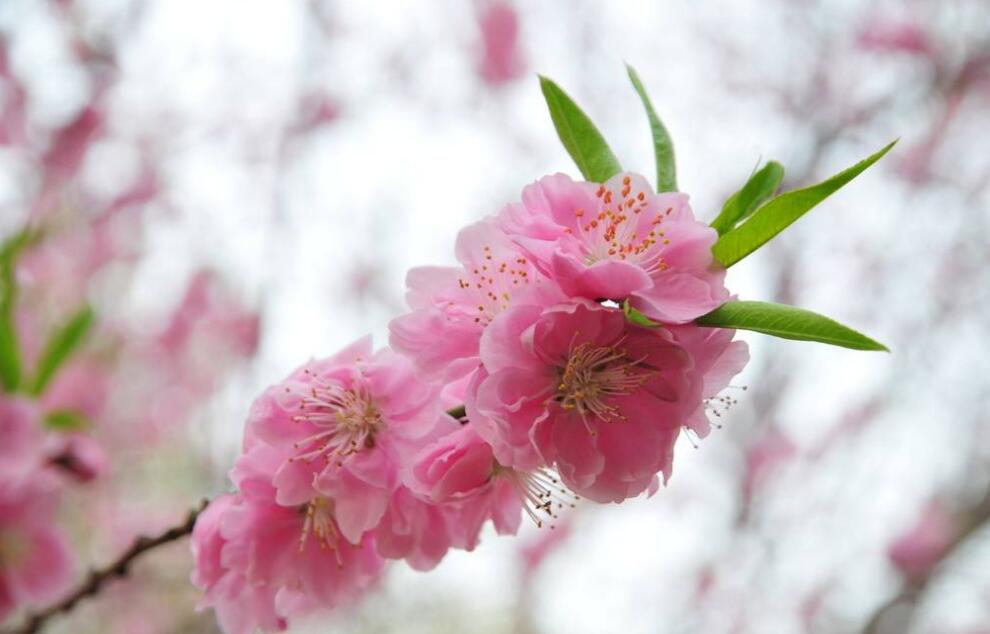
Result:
x=66 y=420
x=63 y=342
x=663 y=147
x=787 y=322
x=777 y=214
x=10 y=355
x=636 y=317
x=760 y=186
x=579 y=135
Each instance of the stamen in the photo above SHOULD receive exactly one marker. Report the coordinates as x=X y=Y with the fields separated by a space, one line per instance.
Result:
x=541 y=492
x=320 y=523
x=347 y=419
x=595 y=375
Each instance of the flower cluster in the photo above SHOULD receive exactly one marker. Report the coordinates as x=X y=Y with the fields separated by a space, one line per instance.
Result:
x=515 y=385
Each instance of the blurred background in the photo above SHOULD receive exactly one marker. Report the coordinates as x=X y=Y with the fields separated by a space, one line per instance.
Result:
x=238 y=186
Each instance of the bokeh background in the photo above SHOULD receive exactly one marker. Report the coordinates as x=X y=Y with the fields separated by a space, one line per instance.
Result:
x=236 y=186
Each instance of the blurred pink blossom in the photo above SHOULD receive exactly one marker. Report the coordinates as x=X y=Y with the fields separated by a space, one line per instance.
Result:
x=535 y=552
x=77 y=456
x=763 y=457
x=916 y=551
x=69 y=144
x=36 y=565
x=500 y=57
x=896 y=37
x=12 y=116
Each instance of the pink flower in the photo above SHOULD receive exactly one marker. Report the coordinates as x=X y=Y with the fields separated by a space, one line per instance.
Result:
x=763 y=457
x=500 y=58
x=263 y=563
x=22 y=451
x=241 y=608
x=36 y=565
x=69 y=144
x=82 y=385
x=578 y=386
x=618 y=241
x=459 y=472
x=346 y=423
x=717 y=358
x=413 y=530
x=922 y=546
x=896 y=37
x=453 y=305
x=77 y=456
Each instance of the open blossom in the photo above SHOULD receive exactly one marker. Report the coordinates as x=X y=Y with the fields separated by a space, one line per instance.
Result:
x=263 y=563
x=579 y=387
x=346 y=423
x=36 y=565
x=240 y=607
x=451 y=306
x=619 y=240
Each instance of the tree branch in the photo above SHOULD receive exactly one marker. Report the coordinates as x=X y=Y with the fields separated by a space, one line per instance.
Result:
x=97 y=577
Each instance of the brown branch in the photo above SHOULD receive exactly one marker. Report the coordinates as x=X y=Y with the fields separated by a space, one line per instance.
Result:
x=97 y=577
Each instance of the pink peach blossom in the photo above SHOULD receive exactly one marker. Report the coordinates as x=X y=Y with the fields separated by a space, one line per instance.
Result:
x=577 y=386
x=451 y=306
x=22 y=451
x=459 y=472
x=619 y=240
x=346 y=423
x=241 y=607
x=82 y=385
x=500 y=56
x=717 y=358
x=36 y=565
x=763 y=457
x=262 y=563
x=896 y=37
x=413 y=530
x=76 y=456
x=919 y=549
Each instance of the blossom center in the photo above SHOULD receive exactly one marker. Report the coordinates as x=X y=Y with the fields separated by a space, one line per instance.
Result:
x=488 y=286
x=593 y=377
x=348 y=419
x=321 y=525
x=622 y=230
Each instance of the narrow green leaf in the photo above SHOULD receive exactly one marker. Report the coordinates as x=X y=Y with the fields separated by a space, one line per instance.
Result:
x=636 y=317
x=579 y=135
x=760 y=186
x=66 y=420
x=777 y=214
x=60 y=346
x=663 y=147
x=787 y=322
x=10 y=355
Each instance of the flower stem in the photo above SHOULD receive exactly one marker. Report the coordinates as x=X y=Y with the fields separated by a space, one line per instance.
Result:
x=98 y=577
